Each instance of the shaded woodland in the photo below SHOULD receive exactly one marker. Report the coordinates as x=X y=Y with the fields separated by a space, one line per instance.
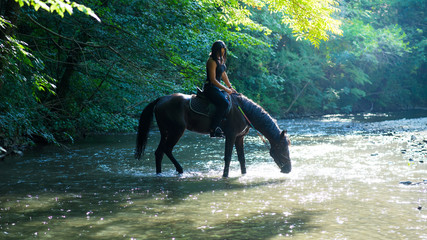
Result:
x=63 y=76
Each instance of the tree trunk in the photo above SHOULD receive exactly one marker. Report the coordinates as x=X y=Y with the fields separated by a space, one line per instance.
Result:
x=9 y=9
x=64 y=82
x=73 y=59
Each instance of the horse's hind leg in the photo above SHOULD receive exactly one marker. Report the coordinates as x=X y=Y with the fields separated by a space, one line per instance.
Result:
x=173 y=137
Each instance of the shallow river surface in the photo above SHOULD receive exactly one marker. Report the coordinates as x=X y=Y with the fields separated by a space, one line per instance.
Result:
x=353 y=177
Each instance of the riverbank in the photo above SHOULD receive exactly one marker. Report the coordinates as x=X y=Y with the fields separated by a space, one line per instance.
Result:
x=384 y=125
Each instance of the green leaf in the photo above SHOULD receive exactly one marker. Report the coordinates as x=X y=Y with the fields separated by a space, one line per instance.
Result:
x=43 y=5
x=358 y=92
x=21 y=2
x=53 y=7
x=27 y=61
x=69 y=9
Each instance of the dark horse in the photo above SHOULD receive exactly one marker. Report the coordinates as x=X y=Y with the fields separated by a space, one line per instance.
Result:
x=174 y=115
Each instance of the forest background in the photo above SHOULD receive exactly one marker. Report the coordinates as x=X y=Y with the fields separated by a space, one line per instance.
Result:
x=63 y=76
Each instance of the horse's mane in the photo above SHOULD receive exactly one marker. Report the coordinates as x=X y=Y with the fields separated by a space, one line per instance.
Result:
x=260 y=118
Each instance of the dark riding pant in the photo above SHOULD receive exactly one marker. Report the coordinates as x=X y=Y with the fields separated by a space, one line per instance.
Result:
x=219 y=100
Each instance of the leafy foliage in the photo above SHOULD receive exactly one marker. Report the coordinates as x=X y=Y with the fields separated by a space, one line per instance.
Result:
x=64 y=76
x=308 y=19
x=58 y=6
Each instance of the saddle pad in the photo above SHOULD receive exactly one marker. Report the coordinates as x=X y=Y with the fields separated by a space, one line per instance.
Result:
x=201 y=106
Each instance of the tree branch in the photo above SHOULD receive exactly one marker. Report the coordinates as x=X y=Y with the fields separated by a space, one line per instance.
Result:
x=296 y=98
x=80 y=44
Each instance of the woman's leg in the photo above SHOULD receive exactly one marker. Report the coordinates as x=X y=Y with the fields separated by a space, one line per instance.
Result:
x=221 y=104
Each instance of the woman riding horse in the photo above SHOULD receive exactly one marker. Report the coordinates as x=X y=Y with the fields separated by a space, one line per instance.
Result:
x=215 y=69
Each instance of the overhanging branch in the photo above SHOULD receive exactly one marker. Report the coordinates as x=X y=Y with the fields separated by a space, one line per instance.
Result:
x=83 y=44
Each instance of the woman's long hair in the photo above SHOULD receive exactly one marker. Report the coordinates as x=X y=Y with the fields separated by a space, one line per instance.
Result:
x=216 y=51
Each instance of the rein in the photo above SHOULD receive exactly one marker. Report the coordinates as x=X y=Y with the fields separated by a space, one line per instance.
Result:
x=247 y=119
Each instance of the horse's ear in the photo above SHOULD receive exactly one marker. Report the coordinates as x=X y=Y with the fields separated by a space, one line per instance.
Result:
x=282 y=136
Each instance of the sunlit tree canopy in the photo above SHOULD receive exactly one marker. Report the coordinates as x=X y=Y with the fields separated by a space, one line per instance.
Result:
x=58 y=6
x=309 y=19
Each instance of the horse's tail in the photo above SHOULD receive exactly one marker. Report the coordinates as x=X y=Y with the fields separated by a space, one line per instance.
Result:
x=145 y=121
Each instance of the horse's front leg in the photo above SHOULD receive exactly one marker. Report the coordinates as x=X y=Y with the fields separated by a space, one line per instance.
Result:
x=159 y=155
x=240 y=153
x=227 y=154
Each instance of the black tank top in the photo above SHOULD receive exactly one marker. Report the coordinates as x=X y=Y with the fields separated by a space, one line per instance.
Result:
x=220 y=68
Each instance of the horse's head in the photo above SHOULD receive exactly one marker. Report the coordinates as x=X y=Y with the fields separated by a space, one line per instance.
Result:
x=280 y=153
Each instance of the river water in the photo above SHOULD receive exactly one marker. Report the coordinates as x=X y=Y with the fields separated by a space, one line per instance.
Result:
x=353 y=177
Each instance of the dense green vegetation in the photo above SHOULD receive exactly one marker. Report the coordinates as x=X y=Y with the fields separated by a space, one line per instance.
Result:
x=63 y=75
